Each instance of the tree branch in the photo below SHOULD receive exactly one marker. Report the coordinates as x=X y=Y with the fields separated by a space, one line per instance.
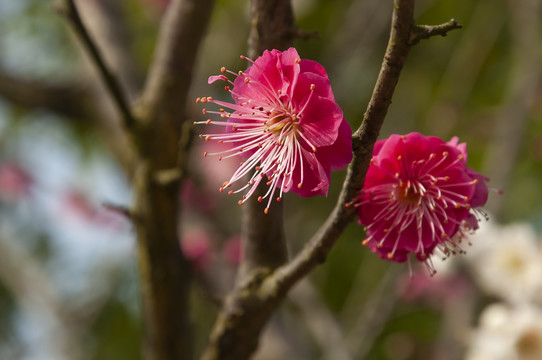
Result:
x=165 y=275
x=272 y=26
x=171 y=70
x=67 y=99
x=420 y=32
x=264 y=242
x=107 y=23
x=263 y=236
x=69 y=9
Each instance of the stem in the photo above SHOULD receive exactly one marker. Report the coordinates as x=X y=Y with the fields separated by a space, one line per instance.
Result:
x=420 y=32
x=69 y=9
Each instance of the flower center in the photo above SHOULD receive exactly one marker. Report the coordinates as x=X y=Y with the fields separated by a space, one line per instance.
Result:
x=529 y=344
x=514 y=262
x=281 y=124
x=408 y=193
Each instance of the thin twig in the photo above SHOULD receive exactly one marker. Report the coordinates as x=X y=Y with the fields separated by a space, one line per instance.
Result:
x=108 y=22
x=69 y=10
x=420 y=32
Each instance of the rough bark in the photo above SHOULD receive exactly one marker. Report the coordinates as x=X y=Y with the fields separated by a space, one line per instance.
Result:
x=165 y=274
x=263 y=236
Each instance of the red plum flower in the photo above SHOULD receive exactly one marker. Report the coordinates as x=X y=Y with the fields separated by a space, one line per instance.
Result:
x=285 y=125
x=419 y=195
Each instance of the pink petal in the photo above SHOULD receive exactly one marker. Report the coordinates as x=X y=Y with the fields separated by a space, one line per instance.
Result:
x=214 y=78
x=339 y=154
x=315 y=177
x=480 y=191
x=320 y=121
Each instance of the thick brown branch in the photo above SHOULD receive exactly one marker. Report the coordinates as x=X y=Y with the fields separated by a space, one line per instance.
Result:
x=263 y=236
x=264 y=243
x=69 y=9
x=165 y=274
x=420 y=32
x=272 y=26
x=171 y=70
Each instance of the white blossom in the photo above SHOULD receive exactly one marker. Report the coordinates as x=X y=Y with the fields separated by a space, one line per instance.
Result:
x=506 y=261
x=507 y=333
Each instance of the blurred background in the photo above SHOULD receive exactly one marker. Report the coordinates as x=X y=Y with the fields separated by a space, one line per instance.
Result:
x=68 y=275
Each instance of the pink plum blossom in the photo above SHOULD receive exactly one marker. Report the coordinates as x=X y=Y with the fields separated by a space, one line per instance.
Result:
x=435 y=291
x=419 y=195
x=233 y=250
x=76 y=205
x=15 y=182
x=196 y=247
x=285 y=125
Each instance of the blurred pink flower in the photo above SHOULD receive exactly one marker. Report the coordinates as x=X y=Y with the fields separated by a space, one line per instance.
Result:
x=419 y=196
x=78 y=205
x=285 y=123
x=14 y=182
x=196 y=247
x=233 y=250
x=209 y=175
x=436 y=291
x=195 y=198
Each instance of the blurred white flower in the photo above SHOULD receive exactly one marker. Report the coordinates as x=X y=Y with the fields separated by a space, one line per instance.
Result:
x=507 y=262
x=507 y=333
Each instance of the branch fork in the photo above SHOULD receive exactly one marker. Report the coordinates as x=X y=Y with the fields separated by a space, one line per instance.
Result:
x=262 y=300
